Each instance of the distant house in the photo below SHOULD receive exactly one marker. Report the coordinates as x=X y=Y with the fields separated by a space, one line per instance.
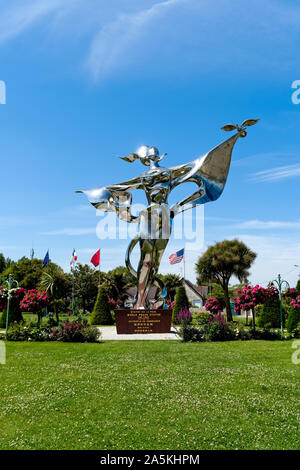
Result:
x=196 y=295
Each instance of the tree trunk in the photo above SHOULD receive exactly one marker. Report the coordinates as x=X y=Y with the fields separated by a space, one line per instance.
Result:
x=56 y=313
x=253 y=318
x=227 y=303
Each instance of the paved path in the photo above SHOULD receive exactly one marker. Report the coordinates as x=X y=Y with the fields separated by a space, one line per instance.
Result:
x=110 y=333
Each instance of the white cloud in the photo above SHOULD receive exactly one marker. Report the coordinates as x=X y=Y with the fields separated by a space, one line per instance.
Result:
x=115 y=38
x=277 y=174
x=262 y=225
x=71 y=231
x=22 y=16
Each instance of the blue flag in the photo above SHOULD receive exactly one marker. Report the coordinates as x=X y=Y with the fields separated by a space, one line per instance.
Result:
x=46 y=259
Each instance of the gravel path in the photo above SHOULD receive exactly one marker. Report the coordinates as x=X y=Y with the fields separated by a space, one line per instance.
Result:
x=110 y=333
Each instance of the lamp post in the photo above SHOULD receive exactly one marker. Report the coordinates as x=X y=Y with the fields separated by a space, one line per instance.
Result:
x=280 y=282
x=10 y=282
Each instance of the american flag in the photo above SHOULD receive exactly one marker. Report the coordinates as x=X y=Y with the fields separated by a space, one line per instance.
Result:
x=177 y=257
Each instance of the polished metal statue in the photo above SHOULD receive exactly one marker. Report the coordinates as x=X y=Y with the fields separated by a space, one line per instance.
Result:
x=208 y=172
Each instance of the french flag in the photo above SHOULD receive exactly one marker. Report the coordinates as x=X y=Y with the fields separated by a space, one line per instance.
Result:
x=74 y=257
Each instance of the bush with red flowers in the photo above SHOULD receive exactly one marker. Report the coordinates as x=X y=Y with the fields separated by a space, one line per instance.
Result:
x=249 y=297
x=34 y=301
x=291 y=293
x=296 y=302
x=214 y=305
x=75 y=332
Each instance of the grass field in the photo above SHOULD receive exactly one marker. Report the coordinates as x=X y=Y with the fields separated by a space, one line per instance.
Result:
x=149 y=395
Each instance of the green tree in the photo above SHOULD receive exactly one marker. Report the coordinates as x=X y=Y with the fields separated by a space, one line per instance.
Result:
x=172 y=282
x=181 y=301
x=117 y=282
x=298 y=286
x=223 y=260
x=26 y=271
x=2 y=263
x=101 y=314
x=57 y=285
x=129 y=279
x=86 y=281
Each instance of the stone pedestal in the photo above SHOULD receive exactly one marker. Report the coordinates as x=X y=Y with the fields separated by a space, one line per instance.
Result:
x=135 y=321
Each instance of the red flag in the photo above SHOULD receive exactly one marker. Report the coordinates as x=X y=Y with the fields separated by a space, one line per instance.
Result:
x=95 y=259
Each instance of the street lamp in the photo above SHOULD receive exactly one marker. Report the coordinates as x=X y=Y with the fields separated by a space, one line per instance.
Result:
x=280 y=282
x=10 y=282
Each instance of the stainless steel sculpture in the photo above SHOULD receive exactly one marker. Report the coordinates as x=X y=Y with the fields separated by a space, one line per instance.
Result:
x=208 y=172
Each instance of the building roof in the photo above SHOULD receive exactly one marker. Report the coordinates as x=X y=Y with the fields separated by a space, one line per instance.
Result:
x=201 y=291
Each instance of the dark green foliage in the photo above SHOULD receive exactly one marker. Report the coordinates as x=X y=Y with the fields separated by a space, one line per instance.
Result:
x=298 y=286
x=181 y=301
x=15 y=314
x=293 y=321
x=26 y=271
x=3 y=319
x=86 y=281
x=269 y=316
x=191 y=334
x=129 y=279
x=266 y=334
x=172 y=282
x=101 y=314
x=216 y=332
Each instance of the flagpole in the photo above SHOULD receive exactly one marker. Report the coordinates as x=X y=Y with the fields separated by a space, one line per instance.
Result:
x=72 y=268
x=99 y=266
x=184 y=265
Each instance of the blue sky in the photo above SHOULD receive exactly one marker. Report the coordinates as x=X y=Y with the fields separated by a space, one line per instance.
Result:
x=88 y=80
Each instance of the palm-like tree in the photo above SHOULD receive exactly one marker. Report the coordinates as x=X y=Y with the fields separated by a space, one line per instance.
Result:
x=54 y=282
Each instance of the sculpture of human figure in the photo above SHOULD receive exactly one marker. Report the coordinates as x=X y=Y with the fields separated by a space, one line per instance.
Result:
x=208 y=172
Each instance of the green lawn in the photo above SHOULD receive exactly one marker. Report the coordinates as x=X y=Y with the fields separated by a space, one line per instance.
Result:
x=149 y=395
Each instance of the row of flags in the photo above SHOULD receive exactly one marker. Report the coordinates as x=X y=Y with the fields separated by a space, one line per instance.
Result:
x=174 y=258
x=95 y=259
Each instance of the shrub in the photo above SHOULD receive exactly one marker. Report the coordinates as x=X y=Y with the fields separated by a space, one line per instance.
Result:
x=91 y=334
x=215 y=331
x=270 y=313
x=266 y=334
x=293 y=321
x=17 y=332
x=242 y=333
x=191 y=334
x=101 y=314
x=181 y=302
x=201 y=318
